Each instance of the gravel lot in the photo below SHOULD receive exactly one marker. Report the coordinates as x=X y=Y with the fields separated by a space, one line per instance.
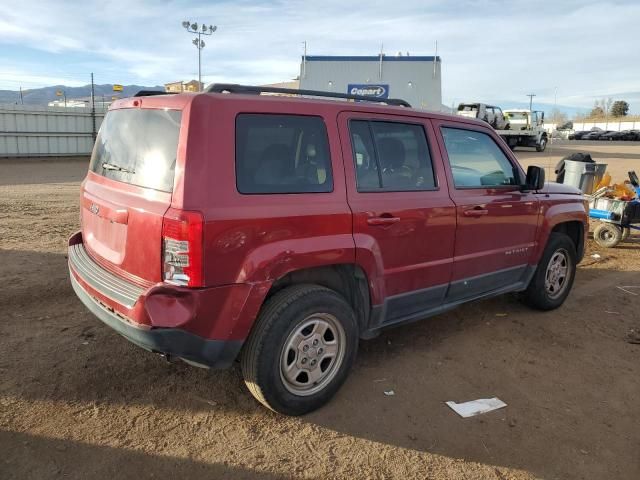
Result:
x=78 y=401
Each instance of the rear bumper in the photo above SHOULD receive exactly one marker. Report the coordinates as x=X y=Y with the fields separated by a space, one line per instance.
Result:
x=170 y=341
x=206 y=326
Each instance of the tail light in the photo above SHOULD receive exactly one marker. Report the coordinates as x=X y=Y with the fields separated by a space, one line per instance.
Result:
x=182 y=248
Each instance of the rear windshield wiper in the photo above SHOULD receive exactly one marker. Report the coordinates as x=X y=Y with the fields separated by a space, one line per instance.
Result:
x=113 y=166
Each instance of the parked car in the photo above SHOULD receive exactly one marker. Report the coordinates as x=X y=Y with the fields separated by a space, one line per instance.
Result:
x=578 y=135
x=278 y=231
x=488 y=113
x=595 y=135
x=630 y=135
x=612 y=135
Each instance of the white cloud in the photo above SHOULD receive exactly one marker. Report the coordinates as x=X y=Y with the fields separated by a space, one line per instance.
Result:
x=490 y=49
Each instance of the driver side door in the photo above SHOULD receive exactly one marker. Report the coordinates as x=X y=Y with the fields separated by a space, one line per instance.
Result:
x=496 y=220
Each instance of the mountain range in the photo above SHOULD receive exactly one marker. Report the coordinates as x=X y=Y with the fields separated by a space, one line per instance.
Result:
x=42 y=96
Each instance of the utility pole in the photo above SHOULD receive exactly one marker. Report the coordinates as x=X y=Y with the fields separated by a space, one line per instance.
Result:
x=304 y=60
x=93 y=109
x=199 y=43
x=21 y=99
x=435 y=60
x=531 y=95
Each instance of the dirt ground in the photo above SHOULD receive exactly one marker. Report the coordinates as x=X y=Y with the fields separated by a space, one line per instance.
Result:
x=78 y=401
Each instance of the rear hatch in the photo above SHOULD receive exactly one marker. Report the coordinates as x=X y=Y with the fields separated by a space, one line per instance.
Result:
x=128 y=190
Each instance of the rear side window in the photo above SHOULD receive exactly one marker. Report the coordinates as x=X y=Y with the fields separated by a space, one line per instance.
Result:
x=476 y=161
x=391 y=156
x=282 y=154
x=139 y=147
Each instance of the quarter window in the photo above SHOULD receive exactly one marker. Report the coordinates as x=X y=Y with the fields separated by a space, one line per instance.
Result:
x=391 y=156
x=476 y=160
x=282 y=154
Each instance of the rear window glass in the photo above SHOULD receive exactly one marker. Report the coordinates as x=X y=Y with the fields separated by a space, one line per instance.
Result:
x=138 y=147
x=282 y=154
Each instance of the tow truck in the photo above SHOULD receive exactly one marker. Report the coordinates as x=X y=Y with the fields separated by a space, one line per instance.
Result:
x=526 y=129
x=517 y=127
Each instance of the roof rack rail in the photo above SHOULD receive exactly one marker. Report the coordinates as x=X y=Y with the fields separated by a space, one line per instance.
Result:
x=150 y=93
x=235 y=88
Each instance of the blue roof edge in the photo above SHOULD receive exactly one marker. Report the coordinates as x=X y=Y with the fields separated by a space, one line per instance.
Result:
x=370 y=58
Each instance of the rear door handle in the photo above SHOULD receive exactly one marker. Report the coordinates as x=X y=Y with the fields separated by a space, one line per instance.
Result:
x=382 y=221
x=476 y=212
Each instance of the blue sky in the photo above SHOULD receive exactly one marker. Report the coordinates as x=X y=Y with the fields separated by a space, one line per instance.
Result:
x=491 y=50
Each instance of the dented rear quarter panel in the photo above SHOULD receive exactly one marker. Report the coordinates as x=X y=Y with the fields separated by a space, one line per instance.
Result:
x=258 y=238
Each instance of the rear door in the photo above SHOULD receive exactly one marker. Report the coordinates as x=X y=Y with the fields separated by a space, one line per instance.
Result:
x=128 y=189
x=497 y=221
x=403 y=218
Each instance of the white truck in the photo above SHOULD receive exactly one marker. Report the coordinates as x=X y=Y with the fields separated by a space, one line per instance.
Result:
x=518 y=127
x=526 y=129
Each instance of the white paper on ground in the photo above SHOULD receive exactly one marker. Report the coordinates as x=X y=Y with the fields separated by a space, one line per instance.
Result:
x=476 y=407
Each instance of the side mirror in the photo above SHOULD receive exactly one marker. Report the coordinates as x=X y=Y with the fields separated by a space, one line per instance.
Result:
x=535 y=178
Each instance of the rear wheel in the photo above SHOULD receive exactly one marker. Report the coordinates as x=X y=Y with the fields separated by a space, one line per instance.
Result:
x=554 y=276
x=607 y=235
x=301 y=349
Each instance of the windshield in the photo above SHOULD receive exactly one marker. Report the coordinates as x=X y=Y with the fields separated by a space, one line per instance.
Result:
x=467 y=108
x=138 y=147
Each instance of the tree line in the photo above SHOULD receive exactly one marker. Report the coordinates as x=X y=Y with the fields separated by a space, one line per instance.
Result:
x=601 y=108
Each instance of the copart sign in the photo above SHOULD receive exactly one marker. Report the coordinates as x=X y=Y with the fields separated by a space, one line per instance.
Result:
x=368 y=90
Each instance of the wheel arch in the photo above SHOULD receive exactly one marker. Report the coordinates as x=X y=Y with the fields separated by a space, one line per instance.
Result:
x=349 y=280
x=574 y=229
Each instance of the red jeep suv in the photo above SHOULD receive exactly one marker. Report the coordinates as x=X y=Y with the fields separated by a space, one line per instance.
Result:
x=279 y=230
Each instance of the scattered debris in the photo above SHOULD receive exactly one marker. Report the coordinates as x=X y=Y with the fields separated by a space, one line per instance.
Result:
x=501 y=314
x=378 y=380
x=596 y=256
x=625 y=288
x=476 y=407
x=85 y=343
x=207 y=401
x=389 y=393
x=612 y=313
x=633 y=336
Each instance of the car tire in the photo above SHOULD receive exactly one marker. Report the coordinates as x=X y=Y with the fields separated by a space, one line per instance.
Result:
x=554 y=276
x=301 y=349
x=607 y=235
x=542 y=145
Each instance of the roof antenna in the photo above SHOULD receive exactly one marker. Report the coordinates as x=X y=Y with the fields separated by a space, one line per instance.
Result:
x=381 y=55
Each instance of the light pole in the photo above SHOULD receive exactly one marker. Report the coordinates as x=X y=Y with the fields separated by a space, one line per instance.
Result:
x=198 y=42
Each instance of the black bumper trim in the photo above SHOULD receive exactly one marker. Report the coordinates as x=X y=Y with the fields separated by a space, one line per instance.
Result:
x=172 y=341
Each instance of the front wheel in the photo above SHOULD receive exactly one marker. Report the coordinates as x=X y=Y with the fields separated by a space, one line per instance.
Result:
x=300 y=350
x=554 y=276
x=542 y=145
